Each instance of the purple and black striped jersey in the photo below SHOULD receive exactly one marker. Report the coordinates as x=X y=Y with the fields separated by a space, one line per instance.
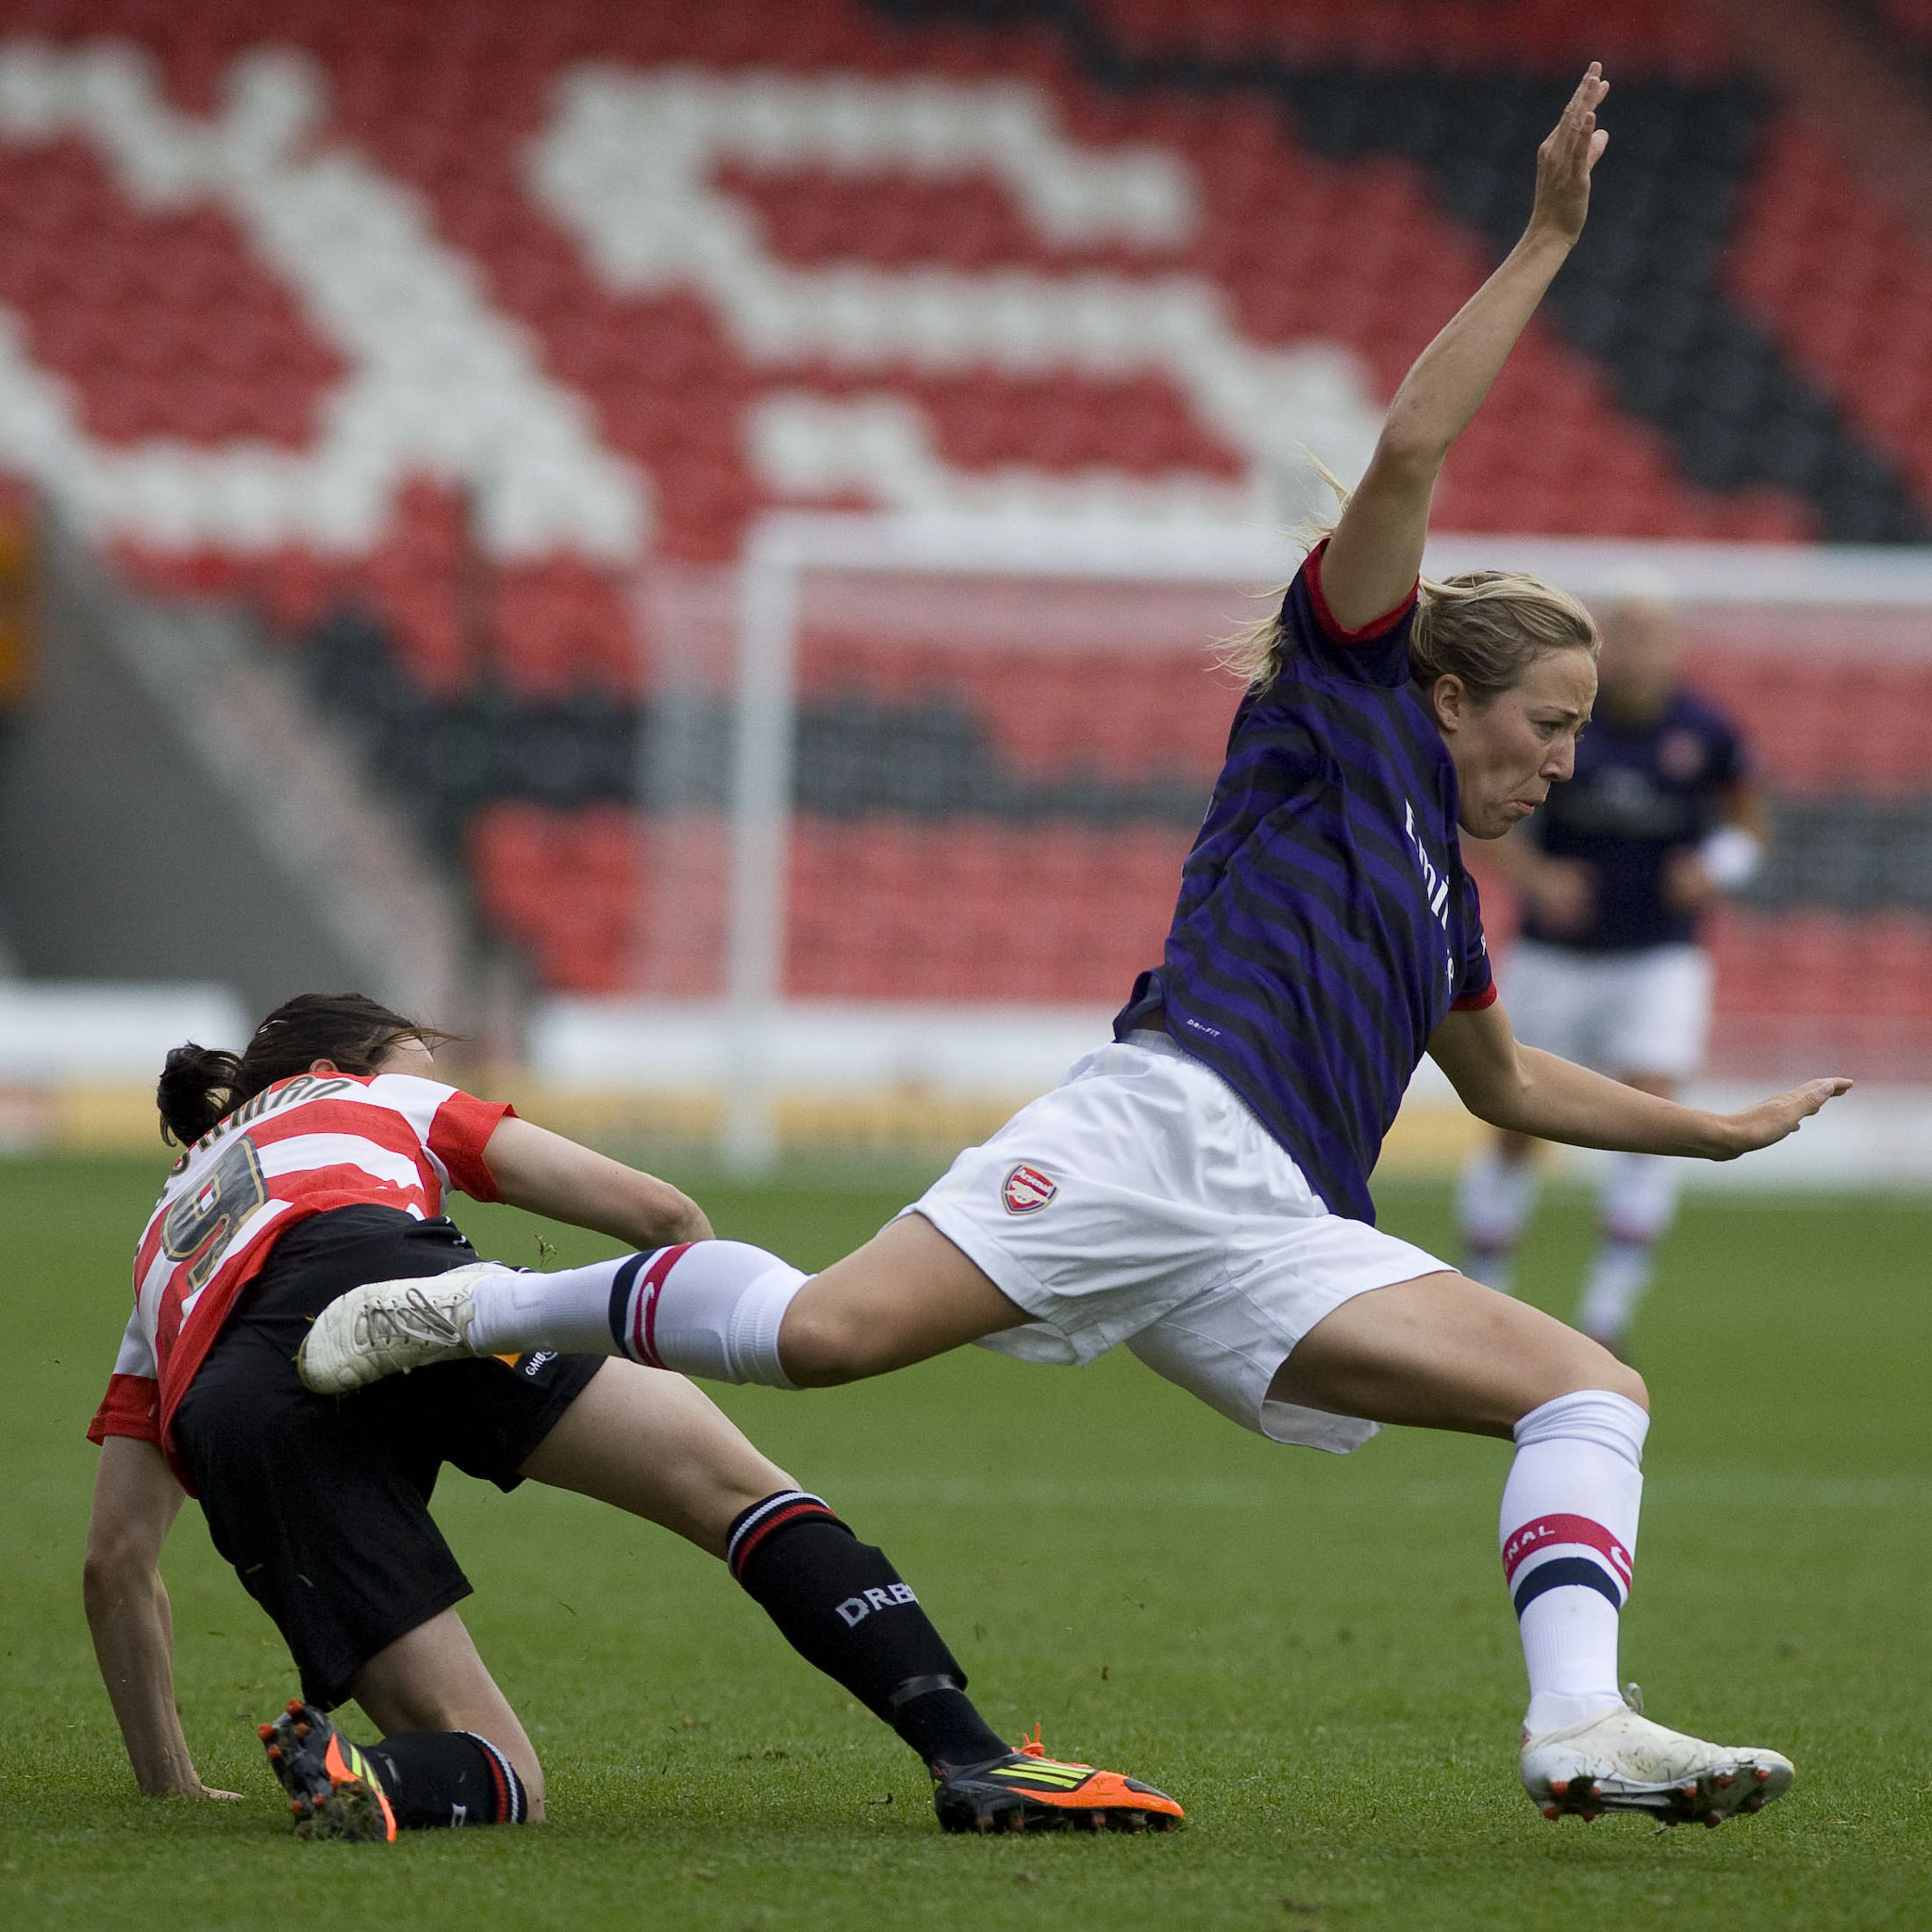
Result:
x=1641 y=791
x=1325 y=922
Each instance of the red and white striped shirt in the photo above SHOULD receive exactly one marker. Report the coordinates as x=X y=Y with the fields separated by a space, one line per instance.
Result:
x=300 y=1147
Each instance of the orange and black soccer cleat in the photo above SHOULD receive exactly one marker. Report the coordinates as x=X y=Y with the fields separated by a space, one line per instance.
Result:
x=333 y=1790
x=1027 y=1790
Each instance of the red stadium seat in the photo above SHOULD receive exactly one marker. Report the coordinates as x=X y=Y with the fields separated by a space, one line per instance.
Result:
x=567 y=885
x=561 y=625
x=1546 y=36
x=1844 y=283
x=447 y=99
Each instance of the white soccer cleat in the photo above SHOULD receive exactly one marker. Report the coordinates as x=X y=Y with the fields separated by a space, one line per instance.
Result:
x=1619 y=1761
x=390 y=1327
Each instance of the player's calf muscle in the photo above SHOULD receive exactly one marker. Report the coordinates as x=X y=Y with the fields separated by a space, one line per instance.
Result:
x=828 y=1339
x=816 y=1351
x=655 y=1445
x=908 y=1293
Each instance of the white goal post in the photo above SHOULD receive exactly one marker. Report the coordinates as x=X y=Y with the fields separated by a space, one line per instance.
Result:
x=1753 y=596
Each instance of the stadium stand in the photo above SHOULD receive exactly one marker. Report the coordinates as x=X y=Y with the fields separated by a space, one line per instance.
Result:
x=1844 y=285
x=1538 y=36
x=458 y=314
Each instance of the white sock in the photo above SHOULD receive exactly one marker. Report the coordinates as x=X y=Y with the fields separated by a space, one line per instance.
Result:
x=568 y=1310
x=706 y=1308
x=1493 y=1200
x=702 y=1308
x=1639 y=1201
x=1568 y=1527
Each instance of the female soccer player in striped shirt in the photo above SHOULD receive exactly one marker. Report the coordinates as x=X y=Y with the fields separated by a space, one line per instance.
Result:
x=318 y=1157
x=1198 y=1190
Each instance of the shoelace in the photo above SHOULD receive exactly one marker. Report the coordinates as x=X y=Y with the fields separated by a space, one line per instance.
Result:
x=415 y=1318
x=1032 y=1747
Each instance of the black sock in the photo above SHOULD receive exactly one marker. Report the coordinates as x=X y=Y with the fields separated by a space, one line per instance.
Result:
x=842 y=1606
x=447 y=1777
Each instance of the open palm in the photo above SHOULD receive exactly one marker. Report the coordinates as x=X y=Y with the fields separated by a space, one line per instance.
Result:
x=1564 y=162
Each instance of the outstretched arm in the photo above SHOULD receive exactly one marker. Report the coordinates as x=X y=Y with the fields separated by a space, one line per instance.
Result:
x=136 y=1500
x=536 y=1169
x=1527 y=1091
x=1377 y=549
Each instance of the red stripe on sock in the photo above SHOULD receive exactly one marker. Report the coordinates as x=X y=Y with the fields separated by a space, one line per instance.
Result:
x=772 y=1522
x=644 y=1305
x=1545 y=1531
x=502 y=1785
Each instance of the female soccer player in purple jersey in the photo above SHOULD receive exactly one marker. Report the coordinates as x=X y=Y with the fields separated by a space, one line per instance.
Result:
x=1198 y=1188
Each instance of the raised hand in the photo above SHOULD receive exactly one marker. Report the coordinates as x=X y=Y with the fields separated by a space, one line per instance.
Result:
x=1770 y=1121
x=1564 y=162
x=1373 y=557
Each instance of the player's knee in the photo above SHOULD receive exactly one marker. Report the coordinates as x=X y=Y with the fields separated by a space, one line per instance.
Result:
x=1592 y=1366
x=731 y=1495
x=1628 y=1383
x=820 y=1347
x=1572 y=1364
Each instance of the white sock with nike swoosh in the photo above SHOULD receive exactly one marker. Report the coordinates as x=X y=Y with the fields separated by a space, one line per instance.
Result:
x=710 y=1309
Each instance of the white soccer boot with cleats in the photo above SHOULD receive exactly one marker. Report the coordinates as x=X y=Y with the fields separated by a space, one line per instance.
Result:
x=390 y=1327
x=1618 y=1760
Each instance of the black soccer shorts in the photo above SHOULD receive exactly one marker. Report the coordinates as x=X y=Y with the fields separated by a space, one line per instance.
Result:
x=321 y=1503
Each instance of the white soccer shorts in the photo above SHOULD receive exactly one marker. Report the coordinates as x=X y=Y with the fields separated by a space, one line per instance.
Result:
x=1646 y=1011
x=1140 y=1202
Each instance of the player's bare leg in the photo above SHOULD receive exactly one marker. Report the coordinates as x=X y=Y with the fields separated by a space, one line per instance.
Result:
x=432 y=1679
x=1442 y=1352
x=655 y=1445
x=659 y=1447
x=908 y=1294
x=452 y=1752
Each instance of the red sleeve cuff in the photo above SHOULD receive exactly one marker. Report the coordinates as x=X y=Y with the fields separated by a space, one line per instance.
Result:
x=1339 y=633
x=458 y=1136
x=1475 y=1002
x=132 y=1407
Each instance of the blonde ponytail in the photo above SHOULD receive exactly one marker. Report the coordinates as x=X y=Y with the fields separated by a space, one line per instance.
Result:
x=1485 y=627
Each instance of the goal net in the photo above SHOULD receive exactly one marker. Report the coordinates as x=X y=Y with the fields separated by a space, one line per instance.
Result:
x=916 y=795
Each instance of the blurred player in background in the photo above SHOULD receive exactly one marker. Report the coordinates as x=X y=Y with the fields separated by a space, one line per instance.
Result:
x=1615 y=873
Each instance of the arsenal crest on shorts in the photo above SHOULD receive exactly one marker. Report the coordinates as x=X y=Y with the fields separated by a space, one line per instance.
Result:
x=1027 y=1191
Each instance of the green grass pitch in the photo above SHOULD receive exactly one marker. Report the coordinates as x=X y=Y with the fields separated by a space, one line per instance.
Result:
x=1314 y=1653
